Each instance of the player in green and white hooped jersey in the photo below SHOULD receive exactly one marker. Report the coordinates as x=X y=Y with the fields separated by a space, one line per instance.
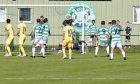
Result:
x=92 y=31
x=39 y=30
x=45 y=34
x=116 y=39
x=36 y=34
x=103 y=32
x=46 y=31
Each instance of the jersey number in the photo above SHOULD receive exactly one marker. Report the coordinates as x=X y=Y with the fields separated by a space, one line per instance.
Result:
x=116 y=31
x=103 y=30
x=69 y=33
x=41 y=30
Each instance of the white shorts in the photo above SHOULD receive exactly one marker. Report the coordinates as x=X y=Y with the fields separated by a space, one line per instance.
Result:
x=103 y=43
x=40 y=41
x=116 y=44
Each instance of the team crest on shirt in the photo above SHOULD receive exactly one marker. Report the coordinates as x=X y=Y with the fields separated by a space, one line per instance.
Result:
x=76 y=14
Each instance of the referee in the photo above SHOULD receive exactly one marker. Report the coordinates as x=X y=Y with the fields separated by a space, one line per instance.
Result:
x=128 y=30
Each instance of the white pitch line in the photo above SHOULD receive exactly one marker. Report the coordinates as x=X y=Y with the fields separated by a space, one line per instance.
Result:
x=72 y=78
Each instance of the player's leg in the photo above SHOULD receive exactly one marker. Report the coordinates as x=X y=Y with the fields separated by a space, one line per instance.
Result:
x=113 y=44
x=94 y=40
x=33 y=47
x=109 y=43
x=22 y=40
x=6 y=51
x=107 y=48
x=37 y=43
x=41 y=42
x=112 y=53
x=119 y=45
x=70 y=48
x=129 y=42
x=7 y=48
x=63 y=48
x=123 y=53
x=44 y=43
x=97 y=49
x=33 y=50
x=19 y=49
x=20 y=53
x=126 y=42
x=24 y=54
x=43 y=50
x=22 y=50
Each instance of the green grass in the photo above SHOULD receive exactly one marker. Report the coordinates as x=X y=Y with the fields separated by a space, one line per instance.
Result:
x=83 y=69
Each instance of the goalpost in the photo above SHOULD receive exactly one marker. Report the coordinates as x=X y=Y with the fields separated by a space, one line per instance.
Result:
x=55 y=12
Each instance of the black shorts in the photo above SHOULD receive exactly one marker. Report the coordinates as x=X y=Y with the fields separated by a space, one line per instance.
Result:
x=92 y=36
x=127 y=37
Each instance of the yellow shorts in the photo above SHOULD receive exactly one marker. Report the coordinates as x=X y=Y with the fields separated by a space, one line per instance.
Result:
x=22 y=39
x=67 y=43
x=9 y=40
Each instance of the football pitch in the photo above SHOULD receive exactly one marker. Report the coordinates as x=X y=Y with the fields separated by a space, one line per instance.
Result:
x=82 y=69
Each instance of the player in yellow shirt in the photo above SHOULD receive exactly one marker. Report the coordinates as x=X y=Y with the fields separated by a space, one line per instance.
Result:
x=10 y=36
x=67 y=38
x=21 y=35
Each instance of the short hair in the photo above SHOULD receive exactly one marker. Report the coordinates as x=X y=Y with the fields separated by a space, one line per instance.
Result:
x=38 y=20
x=45 y=20
x=8 y=21
x=21 y=19
x=113 y=21
x=93 y=21
x=109 y=22
x=42 y=16
x=68 y=22
x=102 y=22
